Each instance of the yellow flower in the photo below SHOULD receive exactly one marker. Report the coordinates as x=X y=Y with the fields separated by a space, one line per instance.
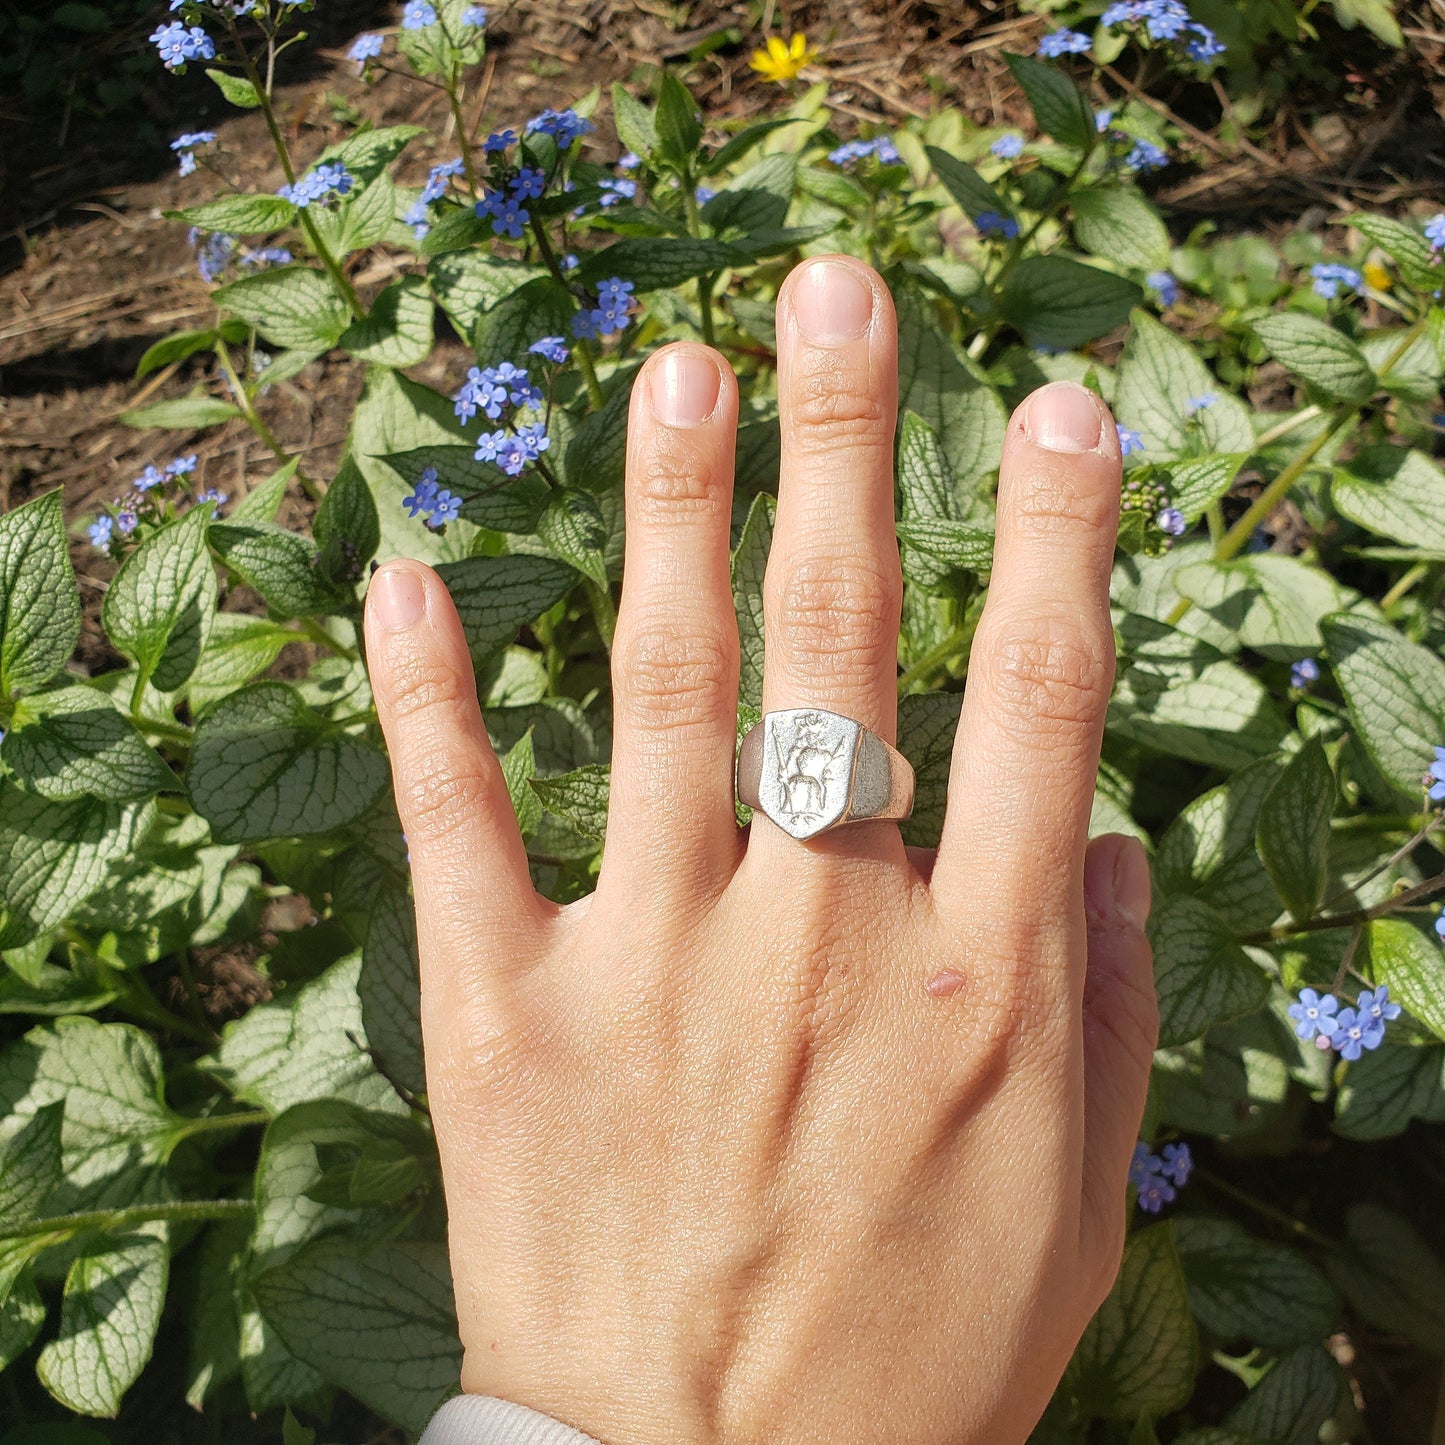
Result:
x=781 y=63
x=1376 y=276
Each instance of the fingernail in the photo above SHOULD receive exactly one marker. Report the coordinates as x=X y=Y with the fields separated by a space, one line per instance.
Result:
x=684 y=388
x=1133 y=890
x=1064 y=417
x=832 y=303
x=396 y=598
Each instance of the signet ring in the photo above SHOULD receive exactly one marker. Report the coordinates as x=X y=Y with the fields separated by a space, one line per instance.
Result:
x=810 y=770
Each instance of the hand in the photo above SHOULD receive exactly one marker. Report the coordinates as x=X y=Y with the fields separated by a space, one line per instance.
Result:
x=769 y=1141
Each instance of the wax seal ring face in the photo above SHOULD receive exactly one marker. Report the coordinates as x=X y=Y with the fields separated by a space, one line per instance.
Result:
x=808 y=761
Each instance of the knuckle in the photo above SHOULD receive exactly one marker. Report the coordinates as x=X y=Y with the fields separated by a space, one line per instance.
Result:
x=1051 y=495
x=670 y=478
x=419 y=684
x=1058 y=678
x=843 y=608
x=831 y=411
x=436 y=797
x=671 y=677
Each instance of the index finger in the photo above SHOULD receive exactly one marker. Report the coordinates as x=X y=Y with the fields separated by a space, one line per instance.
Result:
x=1041 y=668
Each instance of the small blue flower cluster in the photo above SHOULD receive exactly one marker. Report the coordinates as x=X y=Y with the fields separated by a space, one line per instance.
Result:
x=1330 y=278
x=618 y=188
x=1164 y=286
x=1350 y=1031
x=185 y=146
x=513 y=451
x=1435 y=232
x=505 y=207
x=1165 y=20
x=564 y=126
x=1064 y=42
x=474 y=16
x=1146 y=156
x=1006 y=147
x=551 y=348
x=216 y=251
x=1195 y=404
x=1159 y=1177
x=1435 y=777
x=612 y=314
x=365 y=48
x=438 y=182
x=1129 y=441
x=703 y=194
x=125 y=517
x=490 y=389
x=330 y=178
x=418 y=14
x=881 y=148
x=991 y=223
x=178 y=43
x=430 y=500
x=1304 y=672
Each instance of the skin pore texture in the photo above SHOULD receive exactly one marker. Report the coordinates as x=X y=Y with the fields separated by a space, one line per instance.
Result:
x=770 y=1141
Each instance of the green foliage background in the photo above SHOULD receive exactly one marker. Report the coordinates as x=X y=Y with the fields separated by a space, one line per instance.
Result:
x=272 y=1193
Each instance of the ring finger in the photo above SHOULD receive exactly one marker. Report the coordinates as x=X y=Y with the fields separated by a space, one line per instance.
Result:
x=833 y=589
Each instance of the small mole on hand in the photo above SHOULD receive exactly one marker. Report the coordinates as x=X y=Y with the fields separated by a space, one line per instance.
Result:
x=944 y=984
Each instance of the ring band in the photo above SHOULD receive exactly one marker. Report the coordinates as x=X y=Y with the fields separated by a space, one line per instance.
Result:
x=810 y=770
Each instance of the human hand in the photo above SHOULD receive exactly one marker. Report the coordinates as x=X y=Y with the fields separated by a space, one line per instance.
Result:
x=768 y=1140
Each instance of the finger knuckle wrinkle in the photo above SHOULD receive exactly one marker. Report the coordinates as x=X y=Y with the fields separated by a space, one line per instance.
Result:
x=437 y=798
x=1059 y=678
x=420 y=684
x=670 y=481
x=843 y=609
x=671 y=675
x=1052 y=497
x=834 y=412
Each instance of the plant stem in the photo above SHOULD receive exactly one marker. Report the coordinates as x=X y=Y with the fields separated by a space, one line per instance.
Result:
x=181 y=1212
x=463 y=142
x=313 y=489
x=1284 y=428
x=938 y=654
x=1356 y=916
x=604 y=612
x=316 y=633
x=1405 y=585
x=175 y=732
x=1431 y=822
x=583 y=349
x=218 y=1123
x=704 y=283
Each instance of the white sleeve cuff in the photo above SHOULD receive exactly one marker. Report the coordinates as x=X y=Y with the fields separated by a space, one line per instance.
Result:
x=485 y=1420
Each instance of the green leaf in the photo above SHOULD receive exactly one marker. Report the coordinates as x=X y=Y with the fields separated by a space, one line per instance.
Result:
x=1392 y=1276
x=1318 y=354
x=635 y=126
x=1208 y=851
x=1233 y=1083
x=240 y=215
x=580 y=797
x=1056 y=301
x=291 y=306
x=734 y=150
x=538 y=308
x=947 y=391
x=398 y=329
x=1202 y=975
x=346 y=527
x=366 y=216
x=1159 y=374
x=1404 y=245
x=308 y=1044
x=238 y=649
x=596 y=454
x=109 y=1313
x=749 y=565
x=1294 y=830
x=186 y=413
x=755 y=203
x=1241 y=1288
x=70 y=742
x=379 y=1322
x=264 y=765
x=974 y=195
x=677 y=122
x=1290 y=1404
x=30 y=1164
x=1195 y=485
x=369 y=152
x=1395 y=492
x=493 y=500
x=1378 y=16
x=1215 y=713
x=22 y=1313
x=1058 y=104
x=927 y=493
x=573 y=529
x=1388 y=1087
x=263 y=502
x=1413 y=965
x=956 y=545
x=1138 y=1354
x=238 y=90
x=655 y=263
x=467 y=282
x=53 y=856
x=160 y=605
x=389 y=989
x=927 y=723
x=1119 y=225
x=39 y=605
x=495 y=596
x=519 y=767
x=176 y=347
x=1395 y=691
x=283 y=566
x=117 y=1131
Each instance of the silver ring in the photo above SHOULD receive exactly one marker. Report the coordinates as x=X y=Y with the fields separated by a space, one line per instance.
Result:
x=810 y=770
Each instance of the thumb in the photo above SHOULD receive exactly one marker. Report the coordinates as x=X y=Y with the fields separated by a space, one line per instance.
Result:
x=1121 y=1028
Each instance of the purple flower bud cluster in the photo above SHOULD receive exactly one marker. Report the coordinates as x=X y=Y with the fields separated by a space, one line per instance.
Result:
x=881 y=148
x=330 y=178
x=1304 y=672
x=1349 y=1031
x=430 y=500
x=151 y=493
x=1159 y=1177
x=612 y=314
